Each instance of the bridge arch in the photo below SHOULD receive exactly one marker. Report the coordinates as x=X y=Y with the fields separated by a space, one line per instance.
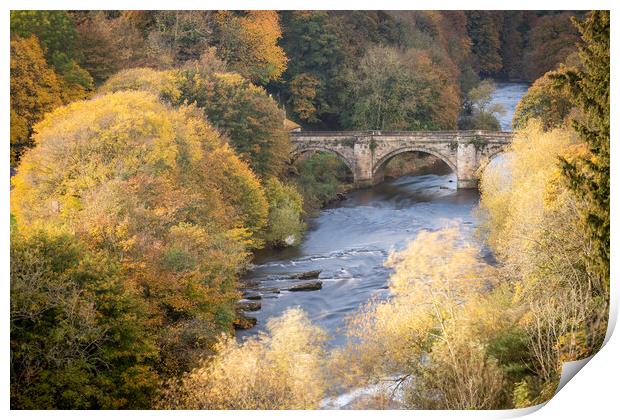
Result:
x=378 y=166
x=301 y=150
x=486 y=160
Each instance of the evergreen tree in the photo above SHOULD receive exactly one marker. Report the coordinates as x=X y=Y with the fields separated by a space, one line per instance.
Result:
x=483 y=29
x=589 y=176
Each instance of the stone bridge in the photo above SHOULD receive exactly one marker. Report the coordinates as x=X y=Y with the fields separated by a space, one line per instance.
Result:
x=367 y=152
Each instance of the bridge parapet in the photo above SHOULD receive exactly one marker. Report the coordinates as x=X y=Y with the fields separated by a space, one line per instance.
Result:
x=460 y=135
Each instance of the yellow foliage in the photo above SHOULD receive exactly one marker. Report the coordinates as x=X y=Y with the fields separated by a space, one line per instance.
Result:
x=156 y=186
x=532 y=220
x=281 y=369
x=35 y=90
x=249 y=44
x=513 y=187
x=160 y=83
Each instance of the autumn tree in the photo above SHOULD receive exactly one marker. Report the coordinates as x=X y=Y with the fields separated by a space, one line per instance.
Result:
x=453 y=37
x=158 y=189
x=420 y=342
x=304 y=91
x=159 y=83
x=531 y=220
x=35 y=90
x=248 y=43
x=110 y=44
x=240 y=110
x=284 y=368
x=544 y=102
x=513 y=38
x=58 y=37
x=175 y=36
x=551 y=39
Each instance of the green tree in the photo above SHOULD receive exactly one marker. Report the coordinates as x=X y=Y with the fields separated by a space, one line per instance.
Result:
x=35 y=90
x=321 y=176
x=284 y=224
x=54 y=28
x=77 y=331
x=313 y=43
x=544 y=102
x=589 y=176
x=243 y=112
x=482 y=112
x=394 y=91
x=58 y=36
x=483 y=30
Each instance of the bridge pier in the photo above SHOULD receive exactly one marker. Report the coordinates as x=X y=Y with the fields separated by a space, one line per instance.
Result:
x=467 y=184
x=364 y=183
x=367 y=152
x=468 y=162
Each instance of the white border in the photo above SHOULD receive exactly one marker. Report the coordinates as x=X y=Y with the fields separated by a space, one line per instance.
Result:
x=593 y=394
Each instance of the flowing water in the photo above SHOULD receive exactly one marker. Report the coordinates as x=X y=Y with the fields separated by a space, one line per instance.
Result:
x=508 y=96
x=350 y=241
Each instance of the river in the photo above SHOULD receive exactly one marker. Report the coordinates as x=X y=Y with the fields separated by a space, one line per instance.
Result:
x=350 y=241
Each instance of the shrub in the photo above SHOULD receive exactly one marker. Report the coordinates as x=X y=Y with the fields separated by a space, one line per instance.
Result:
x=284 y=225
x=282 y=369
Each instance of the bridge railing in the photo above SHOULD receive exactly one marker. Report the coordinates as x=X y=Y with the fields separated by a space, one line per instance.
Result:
x=439 y=135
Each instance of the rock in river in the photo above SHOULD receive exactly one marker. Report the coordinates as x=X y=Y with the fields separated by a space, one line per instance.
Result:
x=248 y=305
x=269 y=290
x=305 y=275
x=307 y=286
x=252 y=296
x=244 y=322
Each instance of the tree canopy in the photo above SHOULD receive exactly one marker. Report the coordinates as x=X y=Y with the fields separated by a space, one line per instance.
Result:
x=156 y=188
x=35 y=90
